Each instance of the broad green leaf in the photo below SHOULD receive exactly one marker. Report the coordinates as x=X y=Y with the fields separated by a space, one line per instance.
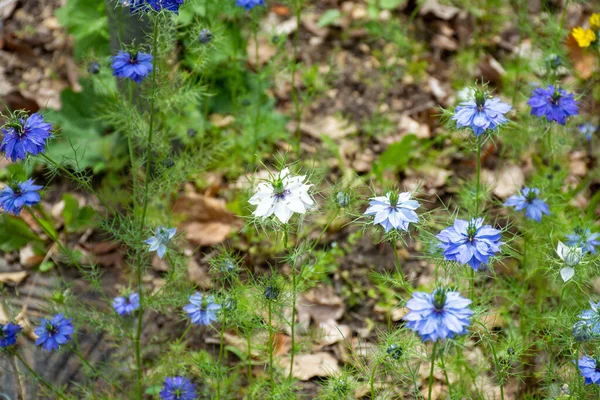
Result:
x=329 y=17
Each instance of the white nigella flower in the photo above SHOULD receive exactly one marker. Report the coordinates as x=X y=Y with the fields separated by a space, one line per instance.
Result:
x=283 y=196
x=393 y=211
x=571 y=256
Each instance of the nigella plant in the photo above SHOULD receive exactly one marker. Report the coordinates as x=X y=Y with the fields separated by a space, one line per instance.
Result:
x=553 y=103
x=178 y=388
x=283 y=196
x=585 y=239
x=590 y=370
x=125 y=305
x=249 y=4
x=158 y=242
x=570 y=256
x=470 y=242
x=481 y=113
x=439 y=315
x=8 y=334
x=393 y=211
x=54 y=333
x=530 y=202
x=14 y=198
x=133 y=65
x=202 y=309
x=25 y=135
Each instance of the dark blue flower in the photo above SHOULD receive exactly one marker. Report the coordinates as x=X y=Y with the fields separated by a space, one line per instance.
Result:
x=158 y=242
x=13 y=199
x=178 y=388
x=125 y=305
x=553 y=103
x=588 y=129
x=249 y=4
x=534 y=206
x=481 y=113
x=8 y=334
x=135 y=66
x=202 y=310
x=470 y=242
x=589 y=370
x=54 y=333
x=393 y=211
x=439 y=315
x=25 y=137
x=584 y=239
x=169 y=5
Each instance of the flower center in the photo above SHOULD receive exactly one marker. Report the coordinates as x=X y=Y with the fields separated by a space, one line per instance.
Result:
x=439 y=300
x=51 y=329
x=394 y=198
x=480 y=97
x=555 y=97
x=471 y=231
x=133 y=58
x=530 y=196
x=280 y=192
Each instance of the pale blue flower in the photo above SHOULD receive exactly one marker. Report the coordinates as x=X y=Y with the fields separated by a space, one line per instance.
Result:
x=158 y=242
x=393 y=211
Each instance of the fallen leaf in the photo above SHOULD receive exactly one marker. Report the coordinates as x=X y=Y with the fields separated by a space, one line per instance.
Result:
x=584 y=61
x=266 y=50
x=307 y=366
x=28 y=258
x=505 y=182
x=440 y=11
x=321 y=305
x=13 y=277
x=328 y=125
x=207 y=220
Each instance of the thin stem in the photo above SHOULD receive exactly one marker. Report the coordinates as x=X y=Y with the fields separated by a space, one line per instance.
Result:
x=445 y=373
x=295 y=100
x=221 y=355
x=294 y=296
x=39 y=378
x=498 y=369
x=249 y=356
x=258 y=88
x=550 y=150
x=138 y=334
x=398 y=266
x=372 y=380
x=13 y=362
x=472 y=288
x=431 y=369
x=132 y=153
x=478 y=177
x=270 y=344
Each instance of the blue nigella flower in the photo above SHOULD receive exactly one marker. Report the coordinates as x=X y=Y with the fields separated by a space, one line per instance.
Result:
x=534 y=206
x=481 y=113
x=588 y=129
x=470 y=242
x=125 y=305
x=591 y=373
x=439 y=315
x=249 y=4
x=13 y=199
x=169 y=5
x=8 y=334
x=25 y=137
x=178 y=388
x=54 y=333
x=553 y=103
x=393 y=211
x=582 y=331
x=158 y=242
x=591 y=318
x=135 y=66
x=202 y=309
x=584 y=239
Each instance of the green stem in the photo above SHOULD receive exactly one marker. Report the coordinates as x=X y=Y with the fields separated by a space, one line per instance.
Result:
x=249 y=355
x=258 y=89
x=294 y=296
x=295 y=100
x=431 y=369
x=445 y=373
x=372 y=380
x=94 y=370
x=270 y=344
x=478 y=177
x=498 y=370
x=472 y=288
x=221 y=355
x=398 y=266
x=138 y=355
x=132 y=153
x=39 y=378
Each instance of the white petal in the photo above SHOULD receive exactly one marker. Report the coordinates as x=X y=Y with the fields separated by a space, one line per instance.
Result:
x=567 y=273
x=283 y=212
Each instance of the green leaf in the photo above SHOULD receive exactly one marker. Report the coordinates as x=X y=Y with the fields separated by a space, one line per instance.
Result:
x=390 y=4
x=397 y=155
x=76 y=218
x=86 y=20
x=329 y=17
x=15 y=234
x=46 y=266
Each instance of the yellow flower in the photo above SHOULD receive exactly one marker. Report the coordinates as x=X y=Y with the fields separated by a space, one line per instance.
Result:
x=584 y=37
x=595 y=21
